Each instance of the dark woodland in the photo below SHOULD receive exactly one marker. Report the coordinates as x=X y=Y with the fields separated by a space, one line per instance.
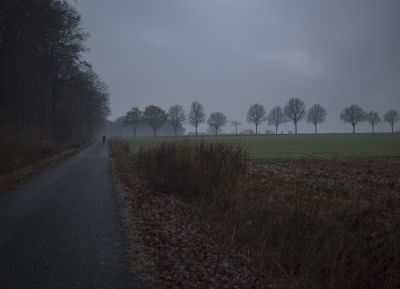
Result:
x=47 y=90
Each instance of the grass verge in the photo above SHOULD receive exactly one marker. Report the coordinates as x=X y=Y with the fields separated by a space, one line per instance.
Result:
x=10 y=180
x=182 y=247
x=289 y=147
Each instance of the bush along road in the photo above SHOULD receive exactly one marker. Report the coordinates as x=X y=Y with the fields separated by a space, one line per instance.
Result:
x=182 y=249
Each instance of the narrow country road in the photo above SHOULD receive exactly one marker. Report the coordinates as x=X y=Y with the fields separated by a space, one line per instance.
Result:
x=62 y=229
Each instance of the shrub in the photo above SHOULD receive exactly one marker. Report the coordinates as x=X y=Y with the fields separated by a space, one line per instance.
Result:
x=194 y=169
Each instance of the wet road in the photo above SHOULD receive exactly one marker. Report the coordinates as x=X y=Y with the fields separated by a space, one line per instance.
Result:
x=62 y=229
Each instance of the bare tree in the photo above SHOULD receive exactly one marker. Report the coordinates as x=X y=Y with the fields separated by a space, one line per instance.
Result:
x=373 y=118
x=256 y=115
x=235 y=123
x=316 y=115
x=155 y=117
x=295 y=110
x=216 y=121
x=196 y=114
x=391 y=117
x=276 y=117
x=353 y=115
x=176 y=116
x=133 y=118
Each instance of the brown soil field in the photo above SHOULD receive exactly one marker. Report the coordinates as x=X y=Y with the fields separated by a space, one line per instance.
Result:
x=369 y=175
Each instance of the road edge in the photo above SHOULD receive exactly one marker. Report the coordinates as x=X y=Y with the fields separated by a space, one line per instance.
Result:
x=139 y=265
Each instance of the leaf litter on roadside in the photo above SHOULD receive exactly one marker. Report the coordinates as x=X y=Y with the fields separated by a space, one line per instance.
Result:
x=185 y=251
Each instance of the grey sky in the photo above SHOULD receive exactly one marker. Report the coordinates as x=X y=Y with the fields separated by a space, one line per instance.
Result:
x=230 y=54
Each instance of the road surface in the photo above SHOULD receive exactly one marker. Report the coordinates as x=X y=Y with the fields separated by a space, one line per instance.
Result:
x=62 y=229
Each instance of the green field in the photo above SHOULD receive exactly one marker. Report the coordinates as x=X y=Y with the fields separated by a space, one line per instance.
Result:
x=326 y=146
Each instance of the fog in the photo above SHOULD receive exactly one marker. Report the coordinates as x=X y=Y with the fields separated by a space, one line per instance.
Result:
x=230 y=54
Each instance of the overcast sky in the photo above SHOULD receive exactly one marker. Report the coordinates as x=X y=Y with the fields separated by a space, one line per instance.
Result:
x=230 y=54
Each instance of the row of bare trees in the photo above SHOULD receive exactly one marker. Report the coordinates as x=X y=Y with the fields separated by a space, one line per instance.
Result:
x=46 y=89
x=294 y=111
x=155 y=117
x=355 y=114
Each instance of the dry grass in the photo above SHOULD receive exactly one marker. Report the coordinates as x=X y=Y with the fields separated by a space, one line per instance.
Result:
x=21 y=159
x=18 y=153
x=194 y=170
x=304 y=231
x=181 y=246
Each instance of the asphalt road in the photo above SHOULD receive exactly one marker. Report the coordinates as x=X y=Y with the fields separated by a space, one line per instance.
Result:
x=62 y=229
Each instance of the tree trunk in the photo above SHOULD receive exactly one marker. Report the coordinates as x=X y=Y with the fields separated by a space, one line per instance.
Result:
x=276 y=129
x=295 y=127
x=155 y=132
x=392 y=124
x=176 y=128
x=315 y=128
x=354 y=128
x=256 y=128
x=196 y=129
x=373 y=128
x=134 y=131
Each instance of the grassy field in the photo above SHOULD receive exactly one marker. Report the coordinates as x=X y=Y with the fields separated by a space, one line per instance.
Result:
x=325 y=146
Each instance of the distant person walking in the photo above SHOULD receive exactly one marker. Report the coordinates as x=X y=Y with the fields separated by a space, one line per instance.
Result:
x=104 y=139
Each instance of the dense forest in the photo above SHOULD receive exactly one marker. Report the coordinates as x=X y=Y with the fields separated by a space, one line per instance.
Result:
x=47 y=91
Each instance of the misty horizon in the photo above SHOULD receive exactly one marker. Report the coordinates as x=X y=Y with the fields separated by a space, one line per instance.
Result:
x=229 y=55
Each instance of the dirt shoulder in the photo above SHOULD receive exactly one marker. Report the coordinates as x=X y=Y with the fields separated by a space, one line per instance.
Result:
x=183 y=251
x=10 y=181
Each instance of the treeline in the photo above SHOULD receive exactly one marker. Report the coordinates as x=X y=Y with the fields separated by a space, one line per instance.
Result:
x=294 y=111
x=47 y=91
